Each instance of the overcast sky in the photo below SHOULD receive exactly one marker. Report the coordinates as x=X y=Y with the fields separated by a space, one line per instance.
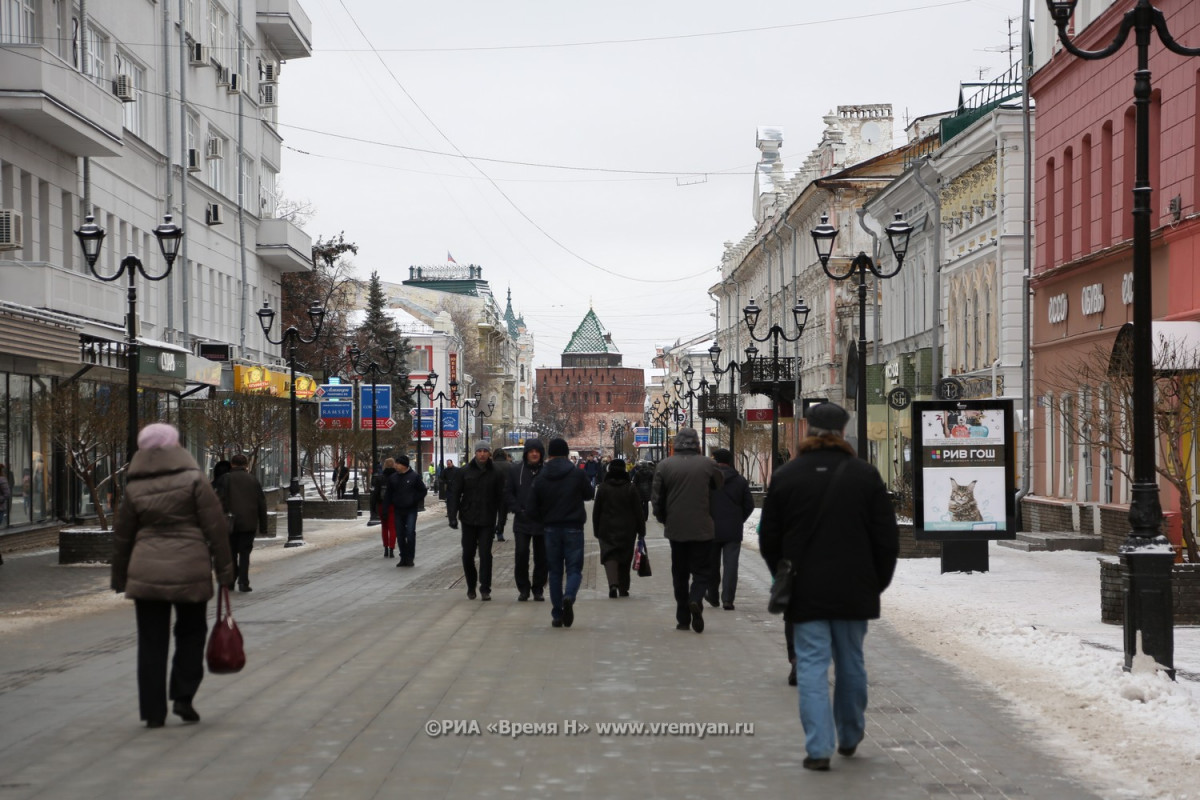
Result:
x=633 y=122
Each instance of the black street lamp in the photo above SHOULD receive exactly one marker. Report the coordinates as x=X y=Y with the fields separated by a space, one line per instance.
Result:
x=714 y=355
x=601 y=426
x=441 y=438
x=291 y=337
x=467 y=404
x=481 y=414
x=423 y=389
x=1145 y=560
x=823 y=235
x=774 y=333
x=91 y=237
x=365 y=364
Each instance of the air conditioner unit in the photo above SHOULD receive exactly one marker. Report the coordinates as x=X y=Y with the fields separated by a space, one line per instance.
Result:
x=212 y=214
x=193 y=160
x=216 y=148
x=270 y=71
x=198 y=55
x=235 y=83
x=10 y=229
x=123 y=88
x=223 y=76
x=268 y=94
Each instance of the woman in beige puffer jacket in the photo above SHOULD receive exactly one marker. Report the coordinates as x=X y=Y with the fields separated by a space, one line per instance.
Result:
x=169 y=534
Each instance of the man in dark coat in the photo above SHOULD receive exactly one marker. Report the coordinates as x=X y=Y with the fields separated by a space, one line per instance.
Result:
x=475 y=499
x=829 y=513
x=681 y=500
x=504 y=466
x=242 y=498
x=731 y=507
x=557 y=501
x=449 y=472
x=527 y=530
x=405 y=491
x=643 y=481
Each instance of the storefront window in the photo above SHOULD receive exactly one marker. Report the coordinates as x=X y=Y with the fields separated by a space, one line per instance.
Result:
x=1070 y=447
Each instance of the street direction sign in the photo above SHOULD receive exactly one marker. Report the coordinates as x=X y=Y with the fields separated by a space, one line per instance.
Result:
x=383 y=400
x=381 y=423
x=641 y=435
x=336 y=410
x=346 y=424
x=335 y=391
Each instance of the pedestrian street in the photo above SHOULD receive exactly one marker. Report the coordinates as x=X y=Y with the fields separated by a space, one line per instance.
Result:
x=367 y=681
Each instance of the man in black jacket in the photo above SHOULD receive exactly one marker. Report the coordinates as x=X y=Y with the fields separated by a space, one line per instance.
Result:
x=476 y=498
x=528 y=532
x=242 y=497
x=731 y=507
x=557 y=501
x=829 y=514
x=405 y=491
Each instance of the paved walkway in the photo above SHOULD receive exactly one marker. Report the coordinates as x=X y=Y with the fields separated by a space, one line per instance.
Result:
x=352 y=662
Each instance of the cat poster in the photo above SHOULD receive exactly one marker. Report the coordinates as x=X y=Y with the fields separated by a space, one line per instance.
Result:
x=963 y=470
x=965 y=499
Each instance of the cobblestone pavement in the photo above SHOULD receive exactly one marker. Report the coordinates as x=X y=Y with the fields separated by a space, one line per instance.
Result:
x=354 y=663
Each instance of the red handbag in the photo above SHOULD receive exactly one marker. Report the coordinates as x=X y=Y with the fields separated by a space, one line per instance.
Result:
x=225 y=653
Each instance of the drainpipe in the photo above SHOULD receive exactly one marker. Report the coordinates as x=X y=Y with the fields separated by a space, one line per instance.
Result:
x=1027 y=261
x=936 y=322
x=170 y=187
x=85 y=69
x=245 y=298
x=183 y=183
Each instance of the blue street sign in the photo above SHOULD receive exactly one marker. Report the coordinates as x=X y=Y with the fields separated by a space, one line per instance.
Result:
x=449 y=422
x=336 y=410
x=383 y=401
x=336 y=391
x=641 y=435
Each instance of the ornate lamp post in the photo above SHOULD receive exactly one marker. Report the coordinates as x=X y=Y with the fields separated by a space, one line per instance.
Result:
x=776 y=332
x=364 y=364
x=601 y=426
x=442 y=396
x=291 y=337
x=823 y=235
x=485 y=414
x=423 y=389
x=714 y=355
x=91 y=237
x=1145 y=560
x=467 y=404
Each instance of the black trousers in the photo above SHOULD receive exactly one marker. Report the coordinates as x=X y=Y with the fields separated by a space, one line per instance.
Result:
x=690 y=563
x=187 y=668
x=478 y=538
x=525 y=543
x=240 y=545
x=728 y=554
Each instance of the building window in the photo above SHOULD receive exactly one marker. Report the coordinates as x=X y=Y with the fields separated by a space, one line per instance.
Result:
x=195 y=23
x=17 y=22
x=218 y=21
x=247 y=180
x=268 y=199
x=135 y=112
x=97 y=52
x=1070 y=449
x=216 y=166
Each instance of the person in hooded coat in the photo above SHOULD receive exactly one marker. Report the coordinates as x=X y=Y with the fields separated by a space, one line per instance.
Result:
x=169 y=534
x=618 y=523
x=528 y=532
x=557 y=501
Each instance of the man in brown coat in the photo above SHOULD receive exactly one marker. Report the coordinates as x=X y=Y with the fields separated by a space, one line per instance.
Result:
x=243 y=499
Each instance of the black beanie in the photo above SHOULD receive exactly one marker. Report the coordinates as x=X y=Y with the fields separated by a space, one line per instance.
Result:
x=558 y=447
x=616 y=467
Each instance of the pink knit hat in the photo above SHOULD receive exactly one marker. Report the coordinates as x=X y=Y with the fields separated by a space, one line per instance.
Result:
x=158 y=434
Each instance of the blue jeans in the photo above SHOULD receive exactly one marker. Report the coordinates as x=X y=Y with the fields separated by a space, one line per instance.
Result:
x=842 y=724
x=406 y=533
x=564 y=546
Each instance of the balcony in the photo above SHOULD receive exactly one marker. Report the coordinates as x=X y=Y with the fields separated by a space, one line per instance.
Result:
x=43 y=95
x=765 y=373
x=287 y=28
x=284 y=246
x=722 y=407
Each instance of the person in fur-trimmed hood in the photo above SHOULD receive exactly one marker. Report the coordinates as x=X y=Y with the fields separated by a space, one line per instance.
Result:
x=828 y=513
x=528 y=531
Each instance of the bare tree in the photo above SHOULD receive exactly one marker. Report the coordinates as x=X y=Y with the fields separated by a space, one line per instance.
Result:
x=239 y=423
x=88 y=422
x=1098 y=416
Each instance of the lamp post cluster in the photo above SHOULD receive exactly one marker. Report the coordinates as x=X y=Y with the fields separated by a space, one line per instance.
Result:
x=423 y=390
x=714 y=355
x=291 y=338
x=365 y=364
x=441 y=398
x=91 y=237
x=776 y=332
x=823 y=236
x=1145 y=562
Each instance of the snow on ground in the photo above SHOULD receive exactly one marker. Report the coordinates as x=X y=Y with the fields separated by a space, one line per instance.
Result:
x=1030 y=629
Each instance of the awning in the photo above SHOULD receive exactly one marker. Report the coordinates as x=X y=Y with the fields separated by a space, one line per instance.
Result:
x=1175 y=348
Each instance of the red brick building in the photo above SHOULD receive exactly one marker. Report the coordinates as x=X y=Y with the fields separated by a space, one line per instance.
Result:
x=590 y=392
